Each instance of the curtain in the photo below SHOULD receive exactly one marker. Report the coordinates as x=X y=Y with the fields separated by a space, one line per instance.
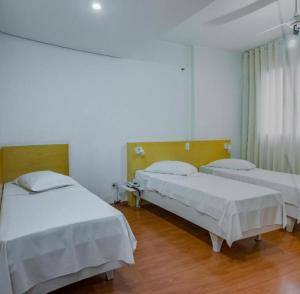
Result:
x=271 y=105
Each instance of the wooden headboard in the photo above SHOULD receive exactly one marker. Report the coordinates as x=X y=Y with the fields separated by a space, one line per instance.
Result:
x=18 y=160
x=200 y=153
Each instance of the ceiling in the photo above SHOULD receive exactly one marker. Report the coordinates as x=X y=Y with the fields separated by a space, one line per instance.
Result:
x=124 y=25
x=117 y=29
x=210 y=27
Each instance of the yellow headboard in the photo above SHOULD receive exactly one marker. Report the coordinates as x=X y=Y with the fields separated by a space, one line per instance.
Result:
x=1 y=173
x=200 y=153
x=1 y=177
x=18 y=160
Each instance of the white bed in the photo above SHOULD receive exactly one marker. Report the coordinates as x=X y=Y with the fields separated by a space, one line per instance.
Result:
x=54 y=238
x=229 y=210
x=287 y=184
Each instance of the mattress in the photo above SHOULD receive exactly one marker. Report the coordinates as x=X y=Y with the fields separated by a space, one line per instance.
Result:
x=287 y=184
x=236 y=206
x=51 y=234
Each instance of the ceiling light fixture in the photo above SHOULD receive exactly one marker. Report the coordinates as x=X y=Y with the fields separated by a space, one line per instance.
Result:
x=96 y=6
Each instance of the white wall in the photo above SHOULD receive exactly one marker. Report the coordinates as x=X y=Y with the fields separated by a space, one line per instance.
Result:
x=97 y=104
x=217 y=92
x=94 y=103
x=163 y=52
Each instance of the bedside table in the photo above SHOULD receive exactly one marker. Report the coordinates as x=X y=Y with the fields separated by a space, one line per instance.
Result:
x=138 y=191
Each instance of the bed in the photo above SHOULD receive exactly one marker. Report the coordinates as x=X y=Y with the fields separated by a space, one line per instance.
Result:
x=287 y=184
x=57 y=237
x=229 y=210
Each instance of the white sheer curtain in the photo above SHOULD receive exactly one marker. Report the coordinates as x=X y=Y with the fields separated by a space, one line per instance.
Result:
x=271 y=106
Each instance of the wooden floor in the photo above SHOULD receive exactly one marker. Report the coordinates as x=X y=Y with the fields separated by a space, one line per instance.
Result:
x=175 y=256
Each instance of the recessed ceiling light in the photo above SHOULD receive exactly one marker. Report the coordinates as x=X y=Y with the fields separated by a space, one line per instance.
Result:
x=96 y=6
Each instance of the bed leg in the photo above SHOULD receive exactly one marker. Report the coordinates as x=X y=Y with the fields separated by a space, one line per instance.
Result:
x=109 y=275
x=138 y=202
x=216 y=242
x=290 y=224
x=258 y=237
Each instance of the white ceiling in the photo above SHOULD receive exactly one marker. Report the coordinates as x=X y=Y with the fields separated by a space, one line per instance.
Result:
x=124 y=25
x=117 y=29
x=239 y=34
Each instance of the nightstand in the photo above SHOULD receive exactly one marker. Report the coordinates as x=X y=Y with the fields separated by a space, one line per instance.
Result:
x=137 y=191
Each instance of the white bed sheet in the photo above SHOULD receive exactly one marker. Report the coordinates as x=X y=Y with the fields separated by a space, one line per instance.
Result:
x=238 y=207
x=14 y=190
x=287 y=184
x=55 y=233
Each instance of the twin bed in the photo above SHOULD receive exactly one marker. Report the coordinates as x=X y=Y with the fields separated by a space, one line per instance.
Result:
x=56 y=237
x=287 y=184
x=228 y=209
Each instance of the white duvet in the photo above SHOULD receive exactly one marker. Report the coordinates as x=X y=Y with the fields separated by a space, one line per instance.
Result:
x=58 y=232
x=238 y=207
x=287 y=184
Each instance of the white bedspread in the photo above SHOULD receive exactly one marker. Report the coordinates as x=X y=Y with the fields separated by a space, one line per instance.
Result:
x=287 y=184
x=58 y=232
x=238 y=207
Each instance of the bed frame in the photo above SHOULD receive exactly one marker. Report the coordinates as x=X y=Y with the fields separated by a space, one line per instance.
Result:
x=293 y=215
x=17 y=160
x=204 y=221
x=200 y=153
x=85 y=273
x=292 y=211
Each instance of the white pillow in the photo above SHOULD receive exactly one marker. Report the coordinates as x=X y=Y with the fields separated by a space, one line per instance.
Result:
x=172 y=167
x=43 y=180
x=237 y=164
